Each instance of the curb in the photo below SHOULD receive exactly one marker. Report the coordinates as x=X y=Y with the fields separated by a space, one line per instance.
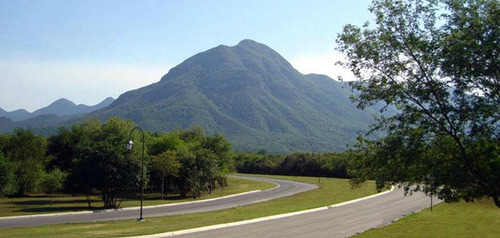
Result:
x=238 y=223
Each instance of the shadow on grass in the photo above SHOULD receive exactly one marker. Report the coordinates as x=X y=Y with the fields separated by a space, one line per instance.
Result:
x=157 y=197
x=54 y=203
x=59 y=209
x=39 y=204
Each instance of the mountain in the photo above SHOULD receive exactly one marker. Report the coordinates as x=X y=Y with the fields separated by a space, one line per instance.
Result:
x=42 y=125
x=61 y=107
x=253 y=96
x=65 y=107
x=17 y=115
x=247 y=92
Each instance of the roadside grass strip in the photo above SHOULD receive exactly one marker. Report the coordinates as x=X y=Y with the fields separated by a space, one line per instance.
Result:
x=480 y=219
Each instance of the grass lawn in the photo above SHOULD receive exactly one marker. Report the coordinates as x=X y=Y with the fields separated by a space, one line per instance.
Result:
x=331 y=191
x=462 y=219
x=42 y=204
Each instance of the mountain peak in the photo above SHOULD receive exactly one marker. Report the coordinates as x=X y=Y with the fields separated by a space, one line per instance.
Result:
x=254 y=47
x=247 y=55
x=248 y=42
x=63 y=102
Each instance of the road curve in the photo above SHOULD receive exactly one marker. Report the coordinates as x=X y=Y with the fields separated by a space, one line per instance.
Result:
x=285 y=188
x=338 y=221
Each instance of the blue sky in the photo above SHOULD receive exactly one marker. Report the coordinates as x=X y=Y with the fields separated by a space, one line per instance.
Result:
x=86 y=51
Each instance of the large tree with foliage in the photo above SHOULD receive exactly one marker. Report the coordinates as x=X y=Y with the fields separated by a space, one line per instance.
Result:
x=167 y=165
x=62 y=146
x=26 y=151
x=436 y=62
x=53 y=182
x=8 y=182
x=103 y=163
x=204 y=162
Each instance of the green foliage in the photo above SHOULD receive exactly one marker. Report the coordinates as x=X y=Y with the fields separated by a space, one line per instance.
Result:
x=27 y=152
x=189 y=161
x=167 y=165
x=441 y=73
x=90 y=157
x=102 y=162
x=165 y=142
x=296 y=164
x=8 y=183
x=53 y=181
x=62 y=146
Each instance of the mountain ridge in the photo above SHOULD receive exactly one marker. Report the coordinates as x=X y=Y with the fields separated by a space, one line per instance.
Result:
x=60 y=107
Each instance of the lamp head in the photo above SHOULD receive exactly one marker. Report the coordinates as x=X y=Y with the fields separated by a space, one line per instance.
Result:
x=129 y=145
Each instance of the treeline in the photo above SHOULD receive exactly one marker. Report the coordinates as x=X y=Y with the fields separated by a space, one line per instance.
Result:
x=296 y=164
x=91 y=158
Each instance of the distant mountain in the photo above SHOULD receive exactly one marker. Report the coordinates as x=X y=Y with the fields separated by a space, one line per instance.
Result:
x=61 y=107
x=65 y=107
x=43 y=125
x=17 y=115
x=253 y=96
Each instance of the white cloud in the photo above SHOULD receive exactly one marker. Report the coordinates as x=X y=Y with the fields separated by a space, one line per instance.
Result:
x=34 y=84
x=323 y=64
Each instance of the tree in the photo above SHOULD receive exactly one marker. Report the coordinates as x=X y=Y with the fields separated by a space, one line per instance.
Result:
x=62 y=146
x=168 y=165
x=27 y=152
x=8 y=183
x=53 y=182
x=221 y=149
x=164 y=143
x=103 y=163
x=204 y=162
x=441 y=73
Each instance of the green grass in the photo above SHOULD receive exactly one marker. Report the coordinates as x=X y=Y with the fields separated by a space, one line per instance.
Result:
x=41 y=204
x=462 y=219
x=331 y=191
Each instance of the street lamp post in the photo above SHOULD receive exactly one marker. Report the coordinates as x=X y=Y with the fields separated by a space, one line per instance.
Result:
x=129 y=148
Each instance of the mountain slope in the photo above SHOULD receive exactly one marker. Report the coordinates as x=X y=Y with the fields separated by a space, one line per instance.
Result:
x=252 y=95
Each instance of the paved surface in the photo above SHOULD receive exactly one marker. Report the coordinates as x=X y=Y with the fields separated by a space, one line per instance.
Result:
x=285 y=188
x=341 y=221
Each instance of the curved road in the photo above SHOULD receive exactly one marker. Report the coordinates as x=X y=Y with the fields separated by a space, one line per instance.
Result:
x=285 y=188
x=336 y=221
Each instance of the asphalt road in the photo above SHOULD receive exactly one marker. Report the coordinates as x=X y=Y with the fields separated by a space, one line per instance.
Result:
x=285 y=188
x=340 y=221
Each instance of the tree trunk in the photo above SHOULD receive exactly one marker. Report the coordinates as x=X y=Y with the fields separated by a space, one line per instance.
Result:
x=89 y=202
x=162 y=184
x=496 y=199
